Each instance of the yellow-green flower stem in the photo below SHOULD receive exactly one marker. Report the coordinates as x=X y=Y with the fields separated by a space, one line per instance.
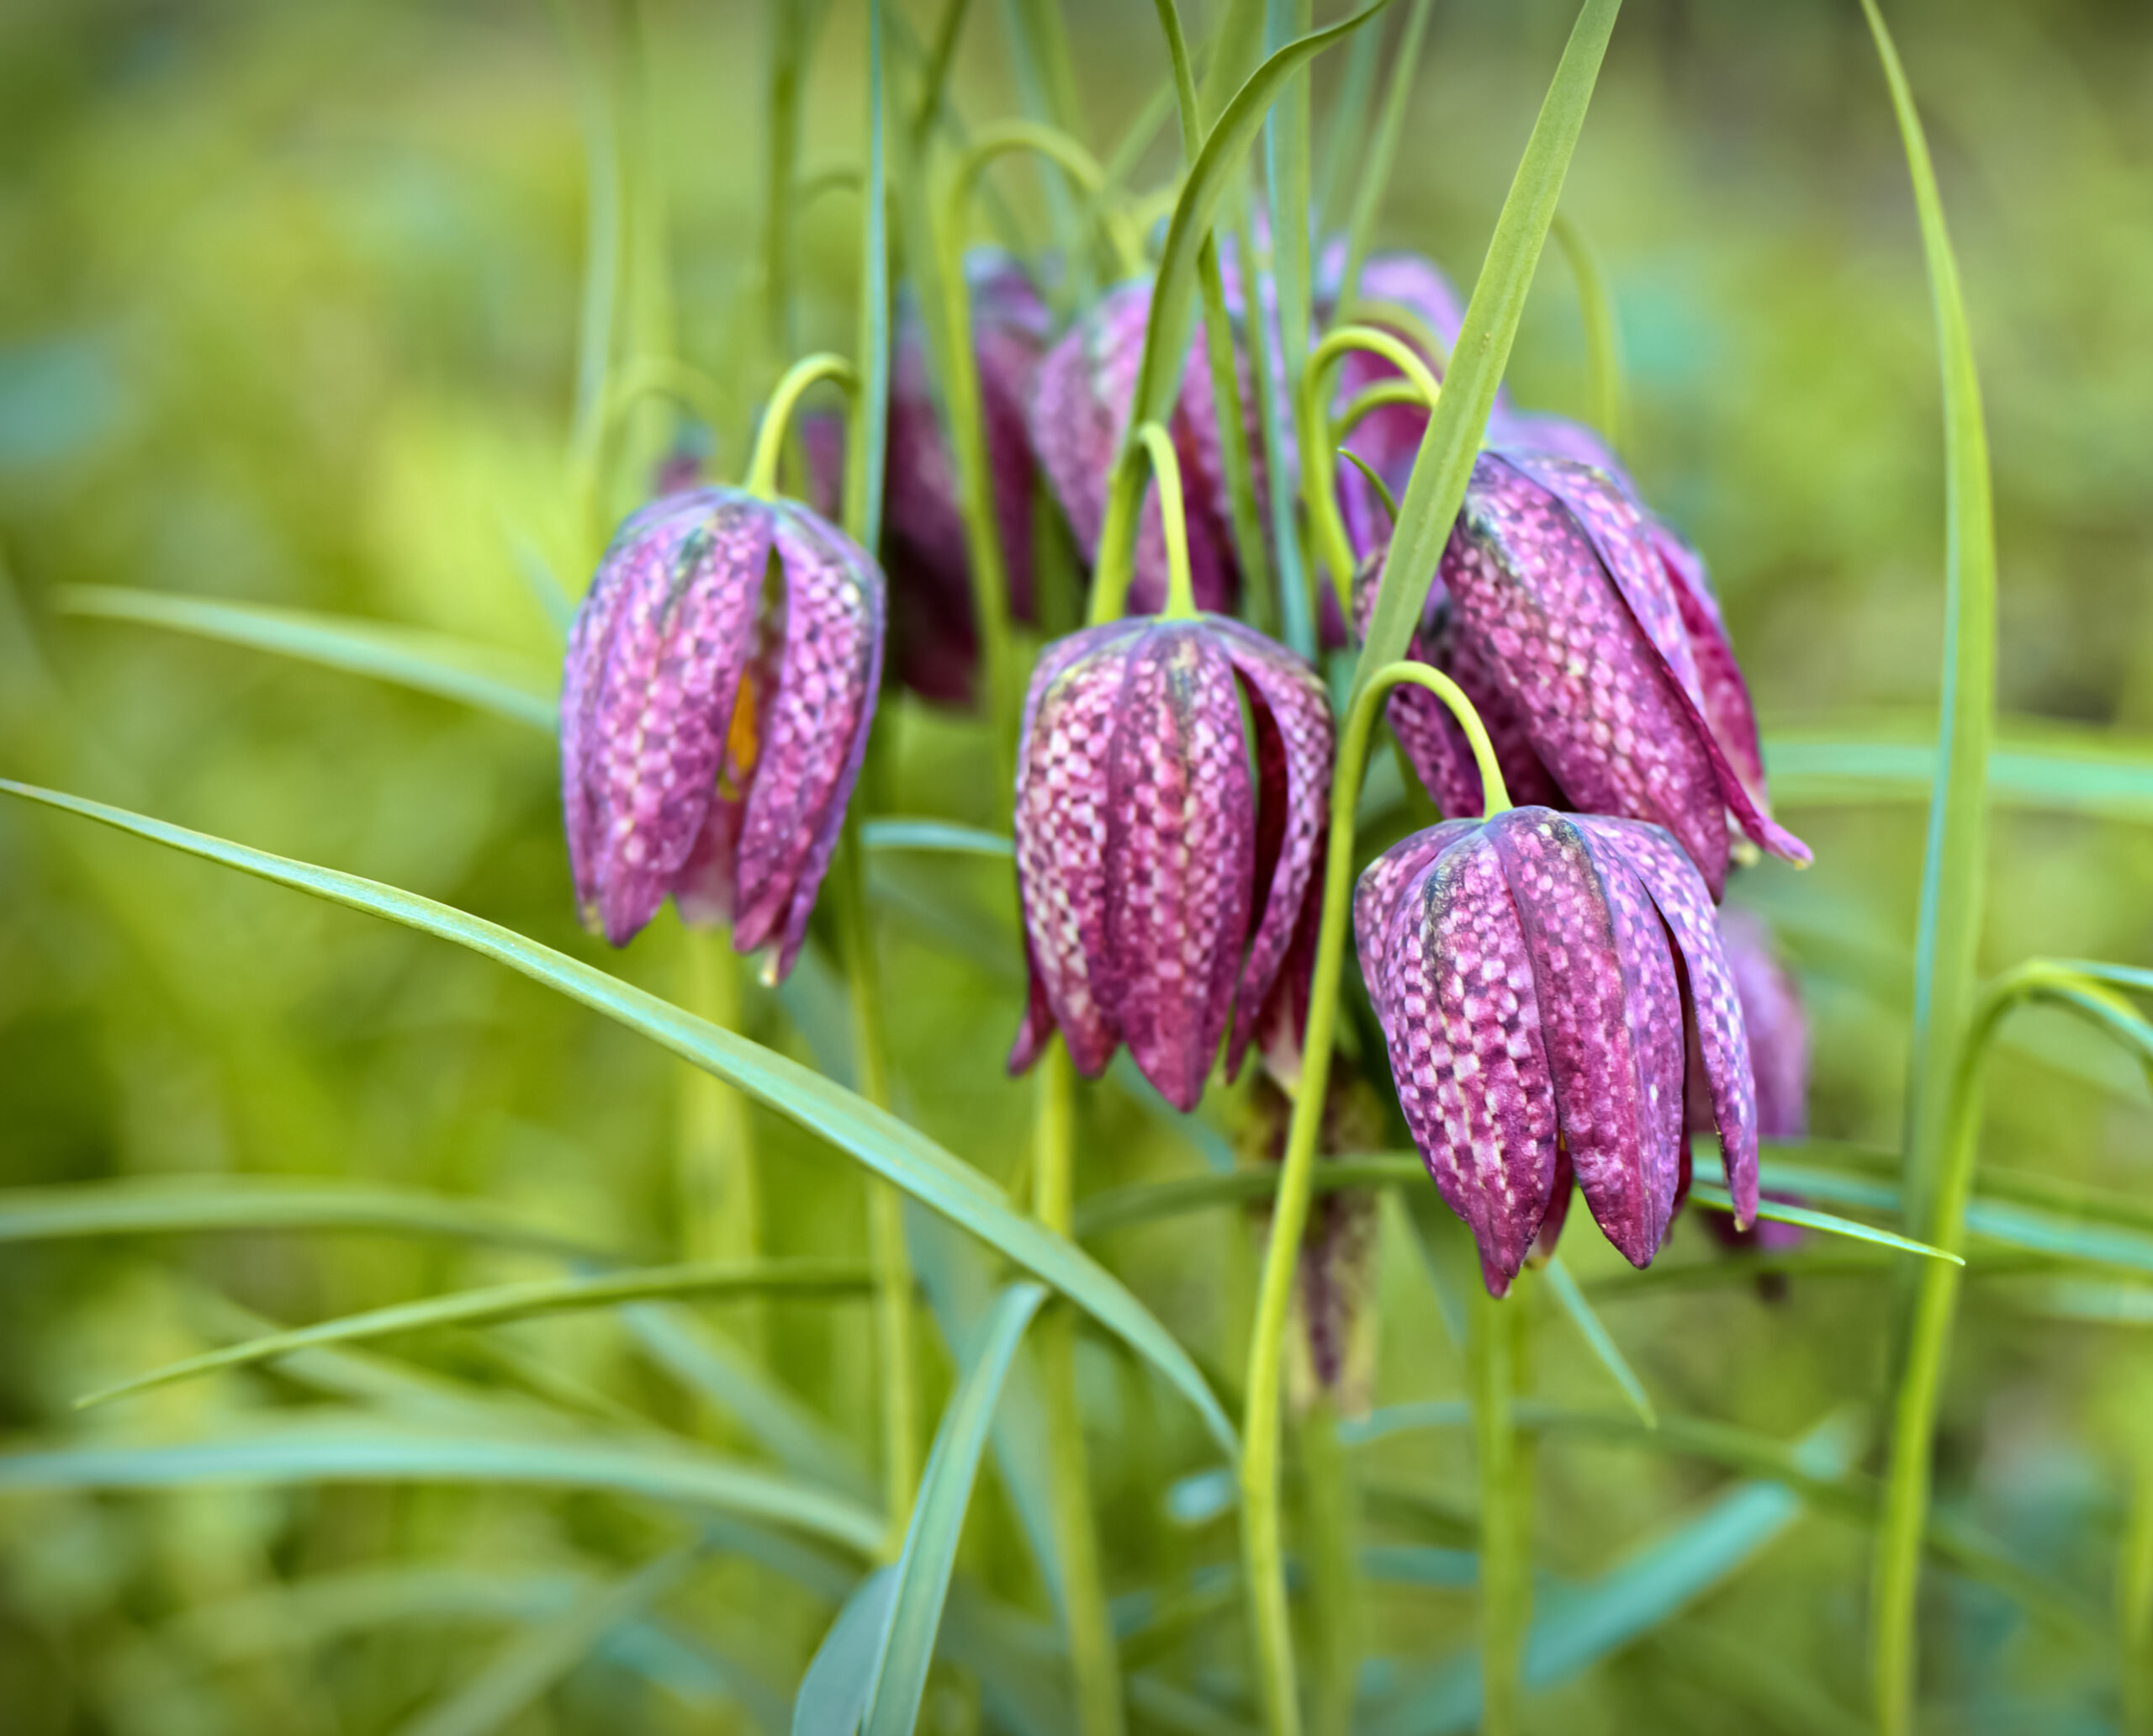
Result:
x=1365 y=403
x=810 y=371
x=1262 y=1551
x=1093 y=1663
x=1327 y=1524
x=719 y=1191
x=1603 y=344
x=1148 y=454
x=956 y=365
x=1896 y=1580
x=1318 y=485
x=1495 y=1353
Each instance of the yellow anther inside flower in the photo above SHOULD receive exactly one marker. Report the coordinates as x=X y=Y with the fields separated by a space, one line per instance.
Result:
x=743 y=742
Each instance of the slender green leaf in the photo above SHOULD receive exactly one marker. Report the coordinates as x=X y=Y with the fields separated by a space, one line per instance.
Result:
x=1420 y=1564
x=1336 y=156
x=2058 y=769
x=896 y=834
x=1375 y=173
x=1144 y=1202
x=357 y=1449
x=1452 y=440
x=1225 y=147
x=215 y=1204
x=532 y=1662
x=866 y=459
x=877 y=1139
x=938 y=1519
x=1717 y=1199
x=479 y=676
x=834 y=1694
x=1603 y=344
x=709 y=1280
x=1596 y=1335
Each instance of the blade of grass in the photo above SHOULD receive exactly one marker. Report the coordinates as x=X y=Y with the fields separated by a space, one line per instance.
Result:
x=896 y=834
x=832 y=1696
x=877 y=1139
x=534 y=1661
x=1452 y=440
x=499 y=1304
x=1375 y=173
x=1341 y=132
x=1717 y=1199
x=359 y=1449
x=930 y=1551
x=2050 y=768
x=479 y=675
x=1603 y=343
x=1597 y=1336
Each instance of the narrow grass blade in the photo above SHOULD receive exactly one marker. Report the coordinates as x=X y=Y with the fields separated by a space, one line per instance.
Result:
x=877 y=1139
x=212 y=1205
x=532 y=1662
x=864 y=460
x=503 y=1303
x=1715 y=1198
x=357 y=1449
x=1146 y=1202
x=1597 y=1336
x=832 y=1696
x=933 y=835
x=1375 y=173
x=1420 y=1564
x=945 y=1489
x=475 y=675
x=1225 y=147
x=2060 y=769
x=1452 y=440
x=1603 y=343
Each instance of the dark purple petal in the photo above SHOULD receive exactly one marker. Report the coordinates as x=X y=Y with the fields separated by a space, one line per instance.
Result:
x=1456 y=999
x=1179 y=855
x=654 y=667
x=1070 y=716
x=1713 y=1003
x=1557 y=1213
x=815 y=734
x=1606 y=987
x=1289 y=697
x=1604 y=714
x=1382 y=884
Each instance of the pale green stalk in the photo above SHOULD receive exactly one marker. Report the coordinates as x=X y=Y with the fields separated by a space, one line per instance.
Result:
x=1290 y=587
x=598 y=325
x=1147 y=456
x=1341 y=132
x=1334 y=1583
x=1494 y=1351
x=810 y=371
x=720 y=1192
x=1332 y=551
x=788 y=57
x=1603 y=342
x=2135 y=1600
x=1286 y=175
x=1904 y=1513
x=1367 y=197
x=1262 y=1546
x=1093 y=1663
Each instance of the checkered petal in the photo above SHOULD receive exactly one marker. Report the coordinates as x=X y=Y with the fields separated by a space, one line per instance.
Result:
x=1454 y=985
x=1725 y=693
x=815 y=734
x=1611 y=1021
x=653 y=666
x=1180 y=850
x=1712 y=1002
x=1293 y=747
x=1070 y=713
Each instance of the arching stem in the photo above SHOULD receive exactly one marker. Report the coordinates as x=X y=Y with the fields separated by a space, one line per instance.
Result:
x=1262 y=1551
x=1148 y=454
x=761 y=480
x=1333 y=551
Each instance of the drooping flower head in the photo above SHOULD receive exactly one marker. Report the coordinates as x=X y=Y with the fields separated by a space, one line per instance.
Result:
x=1080 y=408
x=1162 y=865
x=1586 y=636
x=720 y=683
x=1537 y=976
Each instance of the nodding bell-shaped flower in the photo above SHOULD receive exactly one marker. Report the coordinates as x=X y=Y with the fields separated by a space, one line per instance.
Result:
x=1541 y=978
x=1080 y=408
x=720 y=683
x=1163 y=875
x=1587 y=635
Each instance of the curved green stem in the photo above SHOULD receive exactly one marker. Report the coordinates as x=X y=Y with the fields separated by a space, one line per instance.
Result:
x=761 y=480
x=1603 y=344
x=1319 y=483
x=1006 y=137
x=1905 y=1511
x=1093 y=1663
x=1146 y=456
x=1382 y=395
x=1262 y=1550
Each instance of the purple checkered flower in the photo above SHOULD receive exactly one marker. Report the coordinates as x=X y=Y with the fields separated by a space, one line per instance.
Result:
x=1536 y=976
x=1587 y=637
x=1162 y=874
x=1080 y=406
x=720 y=683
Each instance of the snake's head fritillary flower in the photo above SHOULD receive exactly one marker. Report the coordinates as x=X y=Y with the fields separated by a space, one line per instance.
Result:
x=1586 y=635
x=1162 y=865
x=1778 y=1029
x=719 y=686
x=1333 y=1315
x=1080 y=408
x=1541 y=978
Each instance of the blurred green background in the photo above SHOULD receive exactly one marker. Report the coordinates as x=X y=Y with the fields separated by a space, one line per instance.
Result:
x=289 y=300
